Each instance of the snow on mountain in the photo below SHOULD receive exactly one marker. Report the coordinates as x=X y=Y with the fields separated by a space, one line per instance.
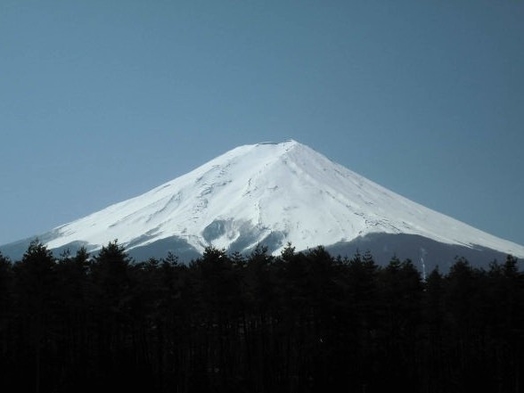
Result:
x=285 y=192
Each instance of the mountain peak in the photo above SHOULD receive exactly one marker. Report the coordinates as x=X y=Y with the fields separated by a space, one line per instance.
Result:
x=287 y=142
x=268 y=193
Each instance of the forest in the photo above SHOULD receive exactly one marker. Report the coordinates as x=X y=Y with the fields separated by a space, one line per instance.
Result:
x=297 y=322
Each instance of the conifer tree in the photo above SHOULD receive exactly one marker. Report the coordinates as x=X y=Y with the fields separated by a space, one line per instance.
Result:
x=36 y=301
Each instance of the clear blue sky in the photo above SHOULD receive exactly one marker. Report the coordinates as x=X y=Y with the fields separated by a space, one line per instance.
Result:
x=103 y=100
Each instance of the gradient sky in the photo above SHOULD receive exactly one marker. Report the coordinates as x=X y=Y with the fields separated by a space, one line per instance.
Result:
x=103 y=100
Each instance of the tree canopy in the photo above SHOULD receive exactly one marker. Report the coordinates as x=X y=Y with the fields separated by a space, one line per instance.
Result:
x=296 y=322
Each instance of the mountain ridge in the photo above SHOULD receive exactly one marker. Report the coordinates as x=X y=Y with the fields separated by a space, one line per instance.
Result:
x=267 y=193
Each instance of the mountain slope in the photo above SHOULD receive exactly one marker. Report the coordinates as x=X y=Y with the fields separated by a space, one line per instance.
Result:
x=272 y=194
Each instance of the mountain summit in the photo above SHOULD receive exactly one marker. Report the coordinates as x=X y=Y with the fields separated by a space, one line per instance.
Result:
x=270 y=194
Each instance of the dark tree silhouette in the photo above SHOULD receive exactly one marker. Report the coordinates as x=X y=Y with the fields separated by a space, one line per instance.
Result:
x=297 y=322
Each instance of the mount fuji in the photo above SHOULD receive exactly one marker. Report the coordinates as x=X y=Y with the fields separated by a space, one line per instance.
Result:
x=274 y=194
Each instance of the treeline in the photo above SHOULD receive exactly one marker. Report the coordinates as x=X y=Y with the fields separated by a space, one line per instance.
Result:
x=299 y=322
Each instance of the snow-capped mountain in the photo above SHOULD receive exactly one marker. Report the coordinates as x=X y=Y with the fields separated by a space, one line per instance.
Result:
x=271 y=194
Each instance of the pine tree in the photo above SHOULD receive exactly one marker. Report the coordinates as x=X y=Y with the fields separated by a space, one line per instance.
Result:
x=36 y=284
x=7 y=314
